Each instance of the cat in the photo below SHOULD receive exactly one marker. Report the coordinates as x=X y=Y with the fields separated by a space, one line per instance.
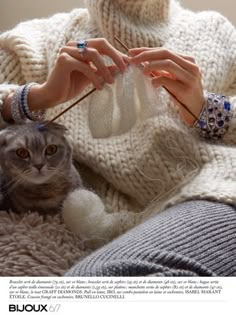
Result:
x=36 y=168
x=37 y=173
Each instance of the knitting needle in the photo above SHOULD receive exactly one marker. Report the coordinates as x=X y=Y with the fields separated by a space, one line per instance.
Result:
x=153 y=75
x=68 y=108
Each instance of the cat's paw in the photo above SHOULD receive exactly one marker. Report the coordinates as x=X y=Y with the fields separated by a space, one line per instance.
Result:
x=84 y=214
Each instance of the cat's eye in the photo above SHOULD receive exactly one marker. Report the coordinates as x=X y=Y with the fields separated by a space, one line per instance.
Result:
x=51 y=149
x=22 y=153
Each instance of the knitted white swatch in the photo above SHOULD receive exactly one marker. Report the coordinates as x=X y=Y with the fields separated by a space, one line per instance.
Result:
x=130 y=100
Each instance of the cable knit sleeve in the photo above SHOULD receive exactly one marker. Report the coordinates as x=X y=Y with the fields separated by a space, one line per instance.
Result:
x=24 y=52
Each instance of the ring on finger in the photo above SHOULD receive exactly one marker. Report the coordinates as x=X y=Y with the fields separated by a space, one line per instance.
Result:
x=81 y=45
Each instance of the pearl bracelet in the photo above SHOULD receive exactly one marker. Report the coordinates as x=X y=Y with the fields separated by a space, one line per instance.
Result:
x=213 y=121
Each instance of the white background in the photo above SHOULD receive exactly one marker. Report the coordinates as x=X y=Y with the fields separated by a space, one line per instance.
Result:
x=177 y=305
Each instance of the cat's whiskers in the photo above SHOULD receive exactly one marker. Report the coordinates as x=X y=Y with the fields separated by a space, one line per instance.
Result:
x=12 y=181
x=19 y=179
x=57 y=168
x=7 y=187
x=13 y=184
x=16 y=168
x=26 y=173
x=55 y=171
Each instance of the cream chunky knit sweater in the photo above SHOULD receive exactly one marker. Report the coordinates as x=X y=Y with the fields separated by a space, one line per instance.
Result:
x=159 y=161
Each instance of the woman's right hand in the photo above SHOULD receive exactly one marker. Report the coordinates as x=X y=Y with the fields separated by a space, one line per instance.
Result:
x=74 y=71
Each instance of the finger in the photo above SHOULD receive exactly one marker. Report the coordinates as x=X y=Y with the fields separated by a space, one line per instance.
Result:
x=189 y=58
x=175 y=88
x=73 y=52
x=169 y=69
x=87 y=56
x=113 y=69
x=160 y=73
x=93 y=55
x=69 y=63
x=136 y=51
x=105 y=48
x=161 y=54
x=192 y=60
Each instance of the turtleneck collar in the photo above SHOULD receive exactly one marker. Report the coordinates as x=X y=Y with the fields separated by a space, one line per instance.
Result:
x=144 y=11
x=135 y=22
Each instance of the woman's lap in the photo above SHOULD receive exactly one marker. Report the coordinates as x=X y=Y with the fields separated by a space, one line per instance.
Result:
x=195 y=238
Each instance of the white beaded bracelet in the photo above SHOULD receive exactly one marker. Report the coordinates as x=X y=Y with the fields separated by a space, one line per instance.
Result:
x=31 y=115
x=15 y=106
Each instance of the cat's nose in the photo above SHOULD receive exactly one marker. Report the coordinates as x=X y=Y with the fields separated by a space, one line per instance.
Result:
x=38 y=166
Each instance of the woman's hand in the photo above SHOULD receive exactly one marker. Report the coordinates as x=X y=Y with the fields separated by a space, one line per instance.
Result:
x=74 y=71
x=178 y=74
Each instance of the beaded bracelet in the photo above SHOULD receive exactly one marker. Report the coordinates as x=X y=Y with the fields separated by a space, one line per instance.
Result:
x=19 y=106
x=36 y=115
x=15 y=107
x=213 y=121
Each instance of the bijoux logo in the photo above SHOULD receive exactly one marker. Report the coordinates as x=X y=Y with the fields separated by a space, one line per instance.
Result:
x=27 y=308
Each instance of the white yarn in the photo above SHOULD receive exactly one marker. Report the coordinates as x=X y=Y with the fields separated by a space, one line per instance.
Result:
x=85 y=215
x=129 y=101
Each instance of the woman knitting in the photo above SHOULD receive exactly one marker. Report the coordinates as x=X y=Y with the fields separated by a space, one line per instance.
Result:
x=181 y=160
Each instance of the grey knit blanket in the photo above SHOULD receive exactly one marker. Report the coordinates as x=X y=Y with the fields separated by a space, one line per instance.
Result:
x=195 y=238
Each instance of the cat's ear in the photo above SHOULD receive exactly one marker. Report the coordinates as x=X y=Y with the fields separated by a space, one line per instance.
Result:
x=59 y=127
x=3 y=140
x=5 y=135
x=56 y=128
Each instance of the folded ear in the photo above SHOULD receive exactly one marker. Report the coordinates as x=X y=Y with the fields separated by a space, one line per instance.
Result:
x=3 y=137
x=5 y=134
x=56 y=128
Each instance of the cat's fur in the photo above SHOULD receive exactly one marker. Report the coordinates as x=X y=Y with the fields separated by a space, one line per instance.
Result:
x=39 y=182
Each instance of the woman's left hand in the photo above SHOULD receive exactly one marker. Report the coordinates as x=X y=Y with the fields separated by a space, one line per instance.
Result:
x=178 y=74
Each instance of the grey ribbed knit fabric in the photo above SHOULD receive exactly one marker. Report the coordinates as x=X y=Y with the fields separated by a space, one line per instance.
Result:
x=195 y=238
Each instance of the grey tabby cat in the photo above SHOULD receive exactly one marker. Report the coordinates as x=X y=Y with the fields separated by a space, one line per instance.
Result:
x=36 y=167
